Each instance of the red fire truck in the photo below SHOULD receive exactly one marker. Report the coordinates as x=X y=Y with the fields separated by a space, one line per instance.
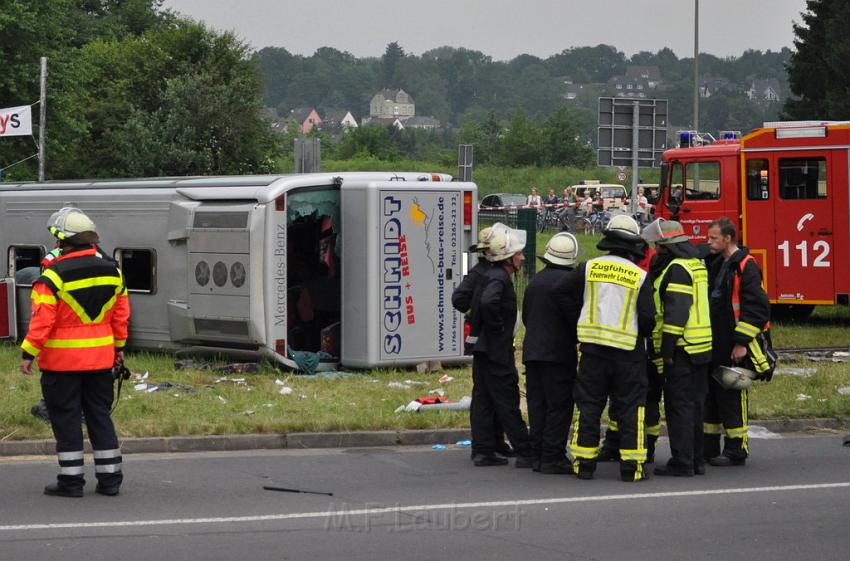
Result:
x=787 y=186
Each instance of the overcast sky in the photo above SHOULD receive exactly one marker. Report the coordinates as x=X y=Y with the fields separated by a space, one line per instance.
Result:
x=502 y=29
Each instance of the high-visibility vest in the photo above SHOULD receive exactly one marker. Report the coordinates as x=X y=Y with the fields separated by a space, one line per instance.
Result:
x=695 y=336
x=608 y=316
x=80 y=312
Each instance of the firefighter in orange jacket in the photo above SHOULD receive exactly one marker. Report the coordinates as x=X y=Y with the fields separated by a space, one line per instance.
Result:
x=78 y=329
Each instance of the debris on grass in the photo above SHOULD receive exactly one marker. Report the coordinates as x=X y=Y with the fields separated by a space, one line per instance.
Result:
x=803 y=396
x=445 y=378
x=800 y=372
x=399 y=386
x=169 y=386
x=435 y=403
x=440 y=392
x=239 y=368
x=221 y=399
x=285 y=390
x=844 y=391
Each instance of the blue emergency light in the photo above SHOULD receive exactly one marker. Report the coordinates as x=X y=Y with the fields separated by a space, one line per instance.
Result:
x=730 y=135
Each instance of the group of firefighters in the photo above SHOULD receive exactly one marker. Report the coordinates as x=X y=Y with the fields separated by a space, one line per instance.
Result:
x=620 y=330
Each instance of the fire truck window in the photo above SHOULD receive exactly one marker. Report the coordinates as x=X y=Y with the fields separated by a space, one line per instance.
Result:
x=139 y=269
x=24 y=263
x=802 y=178
x=703 y=181
x=676 y=180
x=757 y=180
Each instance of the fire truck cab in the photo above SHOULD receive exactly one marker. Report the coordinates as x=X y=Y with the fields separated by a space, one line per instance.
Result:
x=787 y=187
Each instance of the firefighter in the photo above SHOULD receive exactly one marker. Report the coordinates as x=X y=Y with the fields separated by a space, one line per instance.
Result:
x=740 y=310
x=549 y=356
x=681 y=343
x=462 y=301
x=78 y=329
x=616 y=315
x=495 y=391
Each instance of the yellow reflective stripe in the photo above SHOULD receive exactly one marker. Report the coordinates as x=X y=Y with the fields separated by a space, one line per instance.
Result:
x=612 y=425
x=653 y=430
x=42 y=298
x=747 y=329
x=54 y=278
x=658 y=362
x=712 y=428
x=681 y=288
x=636 y=455
x=591 y=316
x=757 y=356
x=580 y=451
x=672 y=329
x=119 y=343
x=628 y=309
x=79 y=343
x=744 y=420
x=91 y=282
x=29 y=348
x=641 y=435
x=738 y=432
x=81 y=313
x=697 y=349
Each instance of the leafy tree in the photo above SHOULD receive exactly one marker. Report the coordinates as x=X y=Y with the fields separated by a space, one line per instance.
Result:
x=390 y=62
x=817 y=72
x=521 y=144
x=562 y=142
x=368 y=142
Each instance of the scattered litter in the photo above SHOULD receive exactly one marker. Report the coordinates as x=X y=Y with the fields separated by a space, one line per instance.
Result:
x=801 y=372
x=436 y=403
x=399 y=386
x=445 y=378
x=843 y=354
x=464 y=443
x=280 y=383
x=237 y=381
x=439 y=447
x=221 y=399
x=140 y=387
x=758 y=431
x=247 y=412
x=268 y=404
x=803 y=397
x=302 y=396
x=438 y=391
x=169 y=386
x=414 y=382
x=239 y=368
x=844 y=391
x=285 y=390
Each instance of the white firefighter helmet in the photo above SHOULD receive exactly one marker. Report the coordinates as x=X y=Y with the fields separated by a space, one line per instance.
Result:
x=506 y=243
x=68 y=222
x=624 y=227
x=733 y=377
x=664 y=232
x=485 y=236
x=562 y=249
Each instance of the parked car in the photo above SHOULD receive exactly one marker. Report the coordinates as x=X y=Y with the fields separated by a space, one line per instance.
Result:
x=500 y=207
x=606 y=195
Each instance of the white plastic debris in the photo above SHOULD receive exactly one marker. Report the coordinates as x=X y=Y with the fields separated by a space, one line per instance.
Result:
x=844 y=391
x=800 y=372
x=280 y=382
x=758 y=431
x=399 y=386
x=437 y=391
x=221 y=399
x=414 y=383
x=803 y=396
x=285 y=390
x=445 y=378
x=140 y=387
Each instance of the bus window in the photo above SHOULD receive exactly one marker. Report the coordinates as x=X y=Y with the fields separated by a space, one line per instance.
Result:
x=139 y=269
x=802 y=178
x=24 y=263
x=757 y=179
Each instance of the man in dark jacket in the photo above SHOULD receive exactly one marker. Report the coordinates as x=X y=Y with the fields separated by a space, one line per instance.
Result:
x=549 y=356
x=616 y=313
x=740 y=310
x=462 y=299
x=681 y=343
x=495 y=379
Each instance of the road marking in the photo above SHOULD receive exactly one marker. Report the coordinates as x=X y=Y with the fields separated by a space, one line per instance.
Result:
x=416 y=508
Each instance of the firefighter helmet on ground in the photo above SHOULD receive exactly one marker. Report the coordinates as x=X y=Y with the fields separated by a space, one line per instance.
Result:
x=562 y=249
x=68 y=222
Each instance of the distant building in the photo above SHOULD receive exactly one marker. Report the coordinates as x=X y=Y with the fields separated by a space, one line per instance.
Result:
x=392 y=103
x=427 y=123
x=622 y=86
x=383 y=122
x=651 y=74
x=571 y=90
x=306 y=117
x=711 y=85
x=764 y=90
x=339 y=119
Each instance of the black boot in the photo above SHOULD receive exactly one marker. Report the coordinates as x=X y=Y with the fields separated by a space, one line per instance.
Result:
x=59 y=490
x=607 y=454
x=650 y=448
x=562 y=466
x=674 y=469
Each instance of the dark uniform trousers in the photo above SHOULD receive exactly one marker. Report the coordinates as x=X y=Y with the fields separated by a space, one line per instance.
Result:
x=495 y=394
x=652 y=424
x=725 y=413
x=64 y=394
x=549 y=395
x=625 y=382
x=684 y=395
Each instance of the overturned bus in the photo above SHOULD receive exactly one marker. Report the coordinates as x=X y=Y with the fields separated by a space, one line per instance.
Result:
x=357 y=267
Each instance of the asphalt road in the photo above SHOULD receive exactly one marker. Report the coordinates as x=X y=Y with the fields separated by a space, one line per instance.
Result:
x=791 y=501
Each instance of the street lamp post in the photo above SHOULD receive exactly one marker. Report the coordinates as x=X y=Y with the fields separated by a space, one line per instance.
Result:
x=696 y=65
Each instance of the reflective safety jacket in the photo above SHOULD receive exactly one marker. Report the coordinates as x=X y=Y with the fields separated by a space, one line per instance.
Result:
x=608 y=315
x=683 y=314
x=80 y=314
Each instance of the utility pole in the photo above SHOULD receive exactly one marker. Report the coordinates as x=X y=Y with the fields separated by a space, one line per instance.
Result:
x=696 y=65
x=42 y=119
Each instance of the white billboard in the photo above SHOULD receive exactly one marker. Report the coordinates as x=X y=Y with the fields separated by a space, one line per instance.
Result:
x=16 y=121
